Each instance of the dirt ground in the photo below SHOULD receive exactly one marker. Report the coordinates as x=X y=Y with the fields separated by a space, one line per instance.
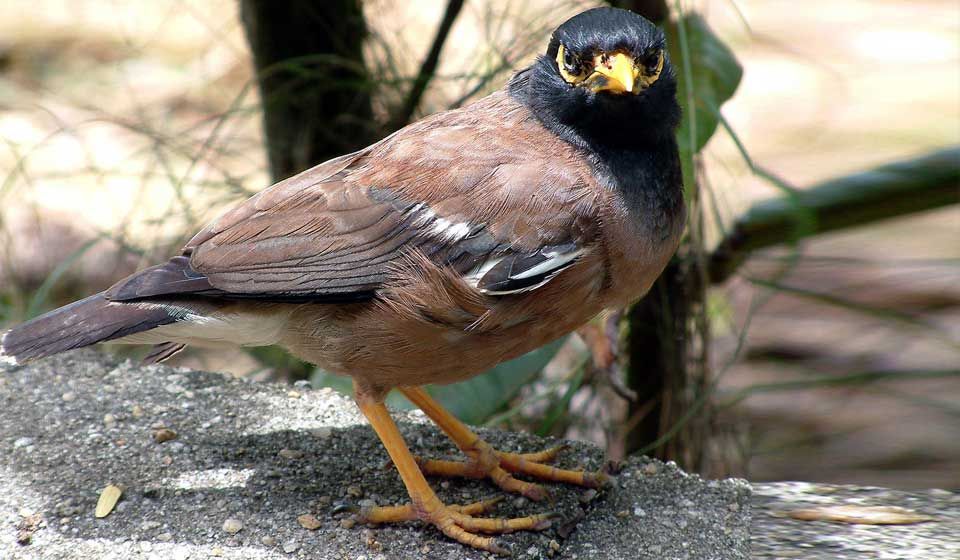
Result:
x=133 y=121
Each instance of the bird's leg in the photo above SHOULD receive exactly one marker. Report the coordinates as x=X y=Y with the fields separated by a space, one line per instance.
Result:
x=485 y=461
x=457 y=522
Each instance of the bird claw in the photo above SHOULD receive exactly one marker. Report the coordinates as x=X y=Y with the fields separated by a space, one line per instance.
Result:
x=459 y=522
x=487 y=462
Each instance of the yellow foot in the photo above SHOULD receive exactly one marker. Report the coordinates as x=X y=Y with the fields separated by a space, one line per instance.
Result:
x=459 y=522
x=498 y=466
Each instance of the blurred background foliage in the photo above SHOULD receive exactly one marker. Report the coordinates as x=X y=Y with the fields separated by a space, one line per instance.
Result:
x=797 y=336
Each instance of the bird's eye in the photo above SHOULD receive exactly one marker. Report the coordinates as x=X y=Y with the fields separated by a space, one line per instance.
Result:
x=571 y=64
x=651 y=62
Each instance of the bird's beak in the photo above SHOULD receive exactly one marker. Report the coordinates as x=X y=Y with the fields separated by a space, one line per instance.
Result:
x=616 y=73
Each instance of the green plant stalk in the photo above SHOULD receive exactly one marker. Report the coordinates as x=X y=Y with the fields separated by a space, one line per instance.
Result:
x=561 y=406
x=819 y=382
x=41 y=296
x=888 y=191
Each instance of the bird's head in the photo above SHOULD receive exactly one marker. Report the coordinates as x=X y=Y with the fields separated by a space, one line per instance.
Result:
x=606 y=75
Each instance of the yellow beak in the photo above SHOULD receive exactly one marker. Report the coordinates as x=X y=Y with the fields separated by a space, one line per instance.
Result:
x=615 y=73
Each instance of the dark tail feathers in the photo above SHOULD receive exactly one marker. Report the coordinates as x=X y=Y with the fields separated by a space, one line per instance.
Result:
x=79 y=324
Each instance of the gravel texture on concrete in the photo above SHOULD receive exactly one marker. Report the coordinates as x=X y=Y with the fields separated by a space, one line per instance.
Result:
x=213 y=467
x=777 y=535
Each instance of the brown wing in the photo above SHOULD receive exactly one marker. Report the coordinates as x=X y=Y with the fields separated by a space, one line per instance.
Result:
x=484 y=190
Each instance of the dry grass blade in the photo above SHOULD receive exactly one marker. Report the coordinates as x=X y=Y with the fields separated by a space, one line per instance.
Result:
x=860 y=515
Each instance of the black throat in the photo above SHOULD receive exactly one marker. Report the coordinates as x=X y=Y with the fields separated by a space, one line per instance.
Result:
x=630 y=141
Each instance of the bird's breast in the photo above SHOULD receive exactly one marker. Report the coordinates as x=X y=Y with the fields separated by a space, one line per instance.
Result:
x=637 y=249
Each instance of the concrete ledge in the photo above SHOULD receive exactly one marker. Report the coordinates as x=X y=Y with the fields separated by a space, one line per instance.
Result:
x=260 y=455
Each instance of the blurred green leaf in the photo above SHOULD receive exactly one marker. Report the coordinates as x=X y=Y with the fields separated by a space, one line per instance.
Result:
x=707 y=75
x=475 y=399
x=714 y=74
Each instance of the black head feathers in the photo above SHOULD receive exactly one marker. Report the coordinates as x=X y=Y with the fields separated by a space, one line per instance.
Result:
x=607 y=30
x=587 y=109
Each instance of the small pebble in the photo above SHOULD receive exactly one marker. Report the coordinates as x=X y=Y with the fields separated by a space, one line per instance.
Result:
x=149 y=525
x=309 y=522
x=22 y=442
x=164 y=434
x=291 y=454
x=216 y=551
x=290 y=547
x=650 y=469
x=321 y=433
x=174 y=389
x=638 y=511
x=137 y=411
x=554 y=545
x=369 y=538
x=354 y=491
x=164 y=537
x=293 y=394
x=348 y=523
x=232 y=526
x=109 y=420
x=70 y=396
x=267 y=540
x=519 y=502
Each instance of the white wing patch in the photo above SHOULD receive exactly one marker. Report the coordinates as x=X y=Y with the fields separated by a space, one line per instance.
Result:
x=476 y=273
x=556 y=262
x=453 y=231
x=426 y=219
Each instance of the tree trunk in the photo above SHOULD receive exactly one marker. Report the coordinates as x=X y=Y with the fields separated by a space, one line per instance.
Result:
x=669 y=418
x=312 y=78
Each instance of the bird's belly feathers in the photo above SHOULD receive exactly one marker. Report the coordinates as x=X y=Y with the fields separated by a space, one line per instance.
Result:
x=215 y=327
x=439 y=329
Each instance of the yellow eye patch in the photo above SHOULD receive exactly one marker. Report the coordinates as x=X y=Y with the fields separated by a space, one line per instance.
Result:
x=651 y=73
x=629 y=76
x=572 y=70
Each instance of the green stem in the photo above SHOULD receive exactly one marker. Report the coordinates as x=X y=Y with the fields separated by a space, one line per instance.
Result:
x=891 y=190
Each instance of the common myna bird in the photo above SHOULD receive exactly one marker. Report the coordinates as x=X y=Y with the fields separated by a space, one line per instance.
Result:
x=463 y=240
